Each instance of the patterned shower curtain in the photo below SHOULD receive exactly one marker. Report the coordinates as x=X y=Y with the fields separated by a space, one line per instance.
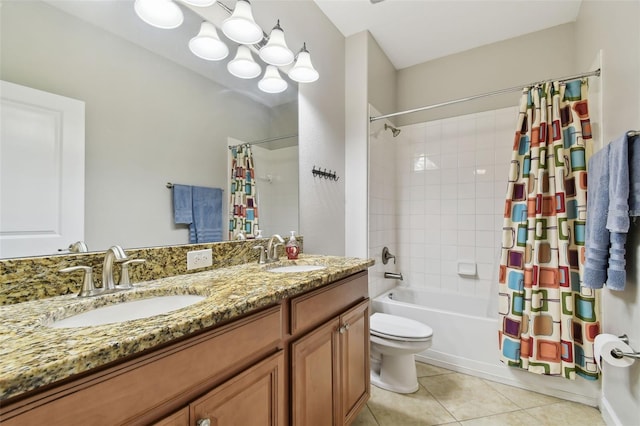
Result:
x=243 y=205
x=548 y=320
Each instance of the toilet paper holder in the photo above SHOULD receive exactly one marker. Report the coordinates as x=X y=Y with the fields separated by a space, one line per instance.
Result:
x=617 y=353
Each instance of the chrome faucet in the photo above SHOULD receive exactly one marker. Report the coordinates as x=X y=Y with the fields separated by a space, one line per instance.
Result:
x=114 y=254
x=272 y=249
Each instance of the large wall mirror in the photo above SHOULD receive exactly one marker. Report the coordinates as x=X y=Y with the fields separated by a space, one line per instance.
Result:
x=154 y=113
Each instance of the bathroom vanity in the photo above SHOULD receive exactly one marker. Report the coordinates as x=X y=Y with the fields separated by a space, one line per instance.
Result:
x=276 y=349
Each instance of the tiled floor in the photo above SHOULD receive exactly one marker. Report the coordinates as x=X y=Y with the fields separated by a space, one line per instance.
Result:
x=449 y=398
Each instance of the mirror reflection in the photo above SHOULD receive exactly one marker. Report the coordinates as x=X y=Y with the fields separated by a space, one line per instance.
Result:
x=154 y=113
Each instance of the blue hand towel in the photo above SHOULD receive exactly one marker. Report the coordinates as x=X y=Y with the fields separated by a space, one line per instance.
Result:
x=596 y=232
x=207 y=214
x=182 y=203
x=618 y=215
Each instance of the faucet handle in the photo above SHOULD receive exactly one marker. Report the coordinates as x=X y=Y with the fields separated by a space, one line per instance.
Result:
x=88 y=288
x=125 y=282
x=275 y=251
x=263 y=253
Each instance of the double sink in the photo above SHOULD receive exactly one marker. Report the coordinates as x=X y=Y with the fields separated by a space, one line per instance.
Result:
x=152 y=306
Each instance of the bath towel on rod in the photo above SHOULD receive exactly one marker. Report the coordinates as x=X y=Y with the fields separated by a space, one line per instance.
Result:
x=182 y=204
x=596 y=232
x=613 y=196
x=207 y=214
x=201 y=209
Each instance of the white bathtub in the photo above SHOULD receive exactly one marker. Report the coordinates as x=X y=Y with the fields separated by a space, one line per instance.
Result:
x=465 y=339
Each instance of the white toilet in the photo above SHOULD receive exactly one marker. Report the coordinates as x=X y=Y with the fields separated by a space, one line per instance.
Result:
x=394 y=342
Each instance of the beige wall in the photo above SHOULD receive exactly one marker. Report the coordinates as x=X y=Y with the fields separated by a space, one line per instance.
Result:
x=612 y=26
x=356 y=155
x=382 y=79
x=521 y=60
x=371 y=80
x=322 y=135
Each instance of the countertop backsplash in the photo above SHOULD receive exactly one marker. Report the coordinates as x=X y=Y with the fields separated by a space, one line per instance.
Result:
x=32 y=278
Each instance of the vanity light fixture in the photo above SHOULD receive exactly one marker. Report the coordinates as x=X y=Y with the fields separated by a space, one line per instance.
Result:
x=276 y=52
x=243 y=65
x=240 y=26
x=207 y=44
x=272 y=81
x=163 y=14
x=303 y=70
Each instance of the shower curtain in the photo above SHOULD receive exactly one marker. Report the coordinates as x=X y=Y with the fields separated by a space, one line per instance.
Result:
x=243 y=204
x=548 y=320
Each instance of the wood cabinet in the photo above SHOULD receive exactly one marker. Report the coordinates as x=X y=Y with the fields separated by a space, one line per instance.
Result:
x=354 y=362
x=304 y=361
x=255 y=397
x=330 y=363
x=155 y=385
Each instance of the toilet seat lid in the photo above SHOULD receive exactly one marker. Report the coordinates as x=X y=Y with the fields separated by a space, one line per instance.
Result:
x=398 y=327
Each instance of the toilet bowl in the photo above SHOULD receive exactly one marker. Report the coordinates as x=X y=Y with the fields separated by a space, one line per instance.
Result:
x=394 y=342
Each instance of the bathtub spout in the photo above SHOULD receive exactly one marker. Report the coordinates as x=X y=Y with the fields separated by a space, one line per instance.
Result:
x=393 y=276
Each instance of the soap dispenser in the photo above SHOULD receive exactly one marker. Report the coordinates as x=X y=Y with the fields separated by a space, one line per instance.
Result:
x=292 y=247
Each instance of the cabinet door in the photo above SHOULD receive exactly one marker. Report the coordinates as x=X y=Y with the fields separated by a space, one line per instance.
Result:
x=314 y=376
x=254 y=397
x=354 y=360
x=179 y=418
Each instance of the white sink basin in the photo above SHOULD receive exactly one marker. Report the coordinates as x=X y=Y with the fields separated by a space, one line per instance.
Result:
x=127 y=311
x=297 y=268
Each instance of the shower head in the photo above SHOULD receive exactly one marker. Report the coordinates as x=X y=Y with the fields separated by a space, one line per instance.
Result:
x=394 y=130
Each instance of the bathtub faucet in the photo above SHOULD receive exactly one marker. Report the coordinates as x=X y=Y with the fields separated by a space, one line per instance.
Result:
x=393 y=276
x=386 y=255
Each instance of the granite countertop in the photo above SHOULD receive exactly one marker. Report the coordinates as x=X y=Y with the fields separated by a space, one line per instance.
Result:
x=32 y=354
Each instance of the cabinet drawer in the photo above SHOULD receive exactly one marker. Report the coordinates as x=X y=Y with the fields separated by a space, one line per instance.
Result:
x=131 y=392
x=318 y=306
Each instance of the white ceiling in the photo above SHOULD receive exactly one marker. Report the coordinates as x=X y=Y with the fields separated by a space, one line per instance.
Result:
x=411 y=32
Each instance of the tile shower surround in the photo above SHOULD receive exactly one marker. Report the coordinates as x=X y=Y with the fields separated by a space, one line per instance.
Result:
x=450 y=182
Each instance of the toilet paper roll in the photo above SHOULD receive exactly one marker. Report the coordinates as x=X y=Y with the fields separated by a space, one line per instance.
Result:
x=604 y=344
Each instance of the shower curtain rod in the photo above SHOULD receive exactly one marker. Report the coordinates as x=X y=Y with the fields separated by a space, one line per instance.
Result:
x=279 y=138
x=484 y=95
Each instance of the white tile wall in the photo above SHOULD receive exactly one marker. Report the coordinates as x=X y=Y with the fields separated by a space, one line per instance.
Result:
x=441 y=200
x=383 y=198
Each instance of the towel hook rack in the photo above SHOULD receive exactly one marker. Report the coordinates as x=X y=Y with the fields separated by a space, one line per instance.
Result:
x=325 y=174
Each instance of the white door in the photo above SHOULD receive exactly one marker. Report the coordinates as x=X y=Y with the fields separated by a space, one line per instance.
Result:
x=41 y=171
